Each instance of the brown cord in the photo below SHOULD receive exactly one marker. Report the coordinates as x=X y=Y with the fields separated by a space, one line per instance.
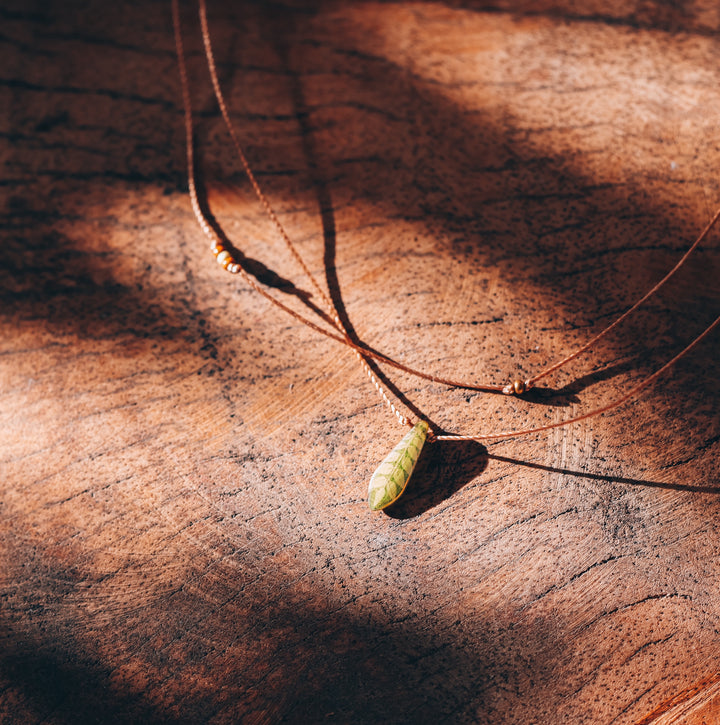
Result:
x=632 y=309
x=210 y=56
x=331 y=309
x=360 y=350
x=234 y=265
x=204 y=224
x=516 y=387
x=598 y=411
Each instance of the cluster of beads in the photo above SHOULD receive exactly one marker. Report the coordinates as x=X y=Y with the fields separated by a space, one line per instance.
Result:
x=225 y=259
x=517 y=387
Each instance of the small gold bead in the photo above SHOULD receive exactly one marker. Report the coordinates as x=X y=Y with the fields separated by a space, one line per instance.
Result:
x=518 y=387
x=217 y=248
x=224 y=258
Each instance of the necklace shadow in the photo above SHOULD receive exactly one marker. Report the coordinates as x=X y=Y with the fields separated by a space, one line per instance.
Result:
x=568 y=394
x=441 y=472
x=261 y=272
x=452 y=465
x=689 y=487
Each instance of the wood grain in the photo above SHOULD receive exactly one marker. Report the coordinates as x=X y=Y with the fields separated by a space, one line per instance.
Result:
x=481 y=186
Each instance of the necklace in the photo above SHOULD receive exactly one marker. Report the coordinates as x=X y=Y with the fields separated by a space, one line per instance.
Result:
x=391 y=477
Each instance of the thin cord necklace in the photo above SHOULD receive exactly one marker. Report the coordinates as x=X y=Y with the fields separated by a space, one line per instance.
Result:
x=390 y=478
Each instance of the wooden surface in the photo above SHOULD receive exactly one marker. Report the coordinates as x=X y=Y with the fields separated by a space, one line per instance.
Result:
x=183 y=526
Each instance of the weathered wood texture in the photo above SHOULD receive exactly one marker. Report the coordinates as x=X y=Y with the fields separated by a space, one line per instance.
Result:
x=183 y=525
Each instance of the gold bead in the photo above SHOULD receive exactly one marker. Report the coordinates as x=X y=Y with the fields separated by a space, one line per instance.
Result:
x=217 y=248
x=224 y=258
x=518 y=387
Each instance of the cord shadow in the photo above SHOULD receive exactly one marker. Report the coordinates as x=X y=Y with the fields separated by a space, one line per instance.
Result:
x=327 y=217
x=262 y=273
x=568 y=394
x=605 y=478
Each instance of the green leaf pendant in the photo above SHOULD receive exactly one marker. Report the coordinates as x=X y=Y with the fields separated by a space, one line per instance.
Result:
x=392 y=475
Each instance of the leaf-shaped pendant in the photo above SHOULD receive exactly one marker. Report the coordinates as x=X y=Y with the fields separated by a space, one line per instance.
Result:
x=392 y=475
